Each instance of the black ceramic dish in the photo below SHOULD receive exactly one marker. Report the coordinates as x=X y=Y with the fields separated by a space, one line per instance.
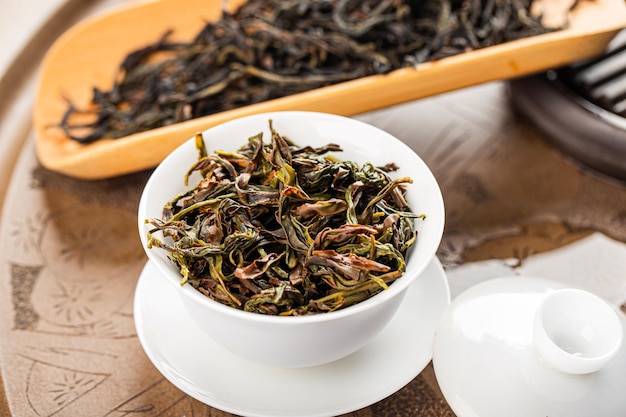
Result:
x=582 y=108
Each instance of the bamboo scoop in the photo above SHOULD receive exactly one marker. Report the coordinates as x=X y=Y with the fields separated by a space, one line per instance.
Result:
x=88 y=54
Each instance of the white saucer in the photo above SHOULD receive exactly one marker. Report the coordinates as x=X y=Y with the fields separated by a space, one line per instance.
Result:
x=487 y=364
x=194 y=363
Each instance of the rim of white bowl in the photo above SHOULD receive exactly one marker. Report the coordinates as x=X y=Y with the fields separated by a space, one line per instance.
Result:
x=393 y=290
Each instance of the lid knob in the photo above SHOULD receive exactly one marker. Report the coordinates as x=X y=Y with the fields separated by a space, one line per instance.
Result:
x=576 y=332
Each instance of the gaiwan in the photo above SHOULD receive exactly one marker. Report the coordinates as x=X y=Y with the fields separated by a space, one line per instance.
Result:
x=281 y=229
x=325 y=248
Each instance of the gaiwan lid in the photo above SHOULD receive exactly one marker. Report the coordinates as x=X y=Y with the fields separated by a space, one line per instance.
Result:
x=531 y=347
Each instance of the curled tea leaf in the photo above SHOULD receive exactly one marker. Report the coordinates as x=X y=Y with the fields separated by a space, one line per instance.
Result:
x=279 y=229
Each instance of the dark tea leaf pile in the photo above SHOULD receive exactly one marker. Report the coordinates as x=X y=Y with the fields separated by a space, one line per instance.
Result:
x=285 y=230
x=274 y=48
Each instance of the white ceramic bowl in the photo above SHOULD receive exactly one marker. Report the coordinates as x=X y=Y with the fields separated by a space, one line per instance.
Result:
x=303 y=340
